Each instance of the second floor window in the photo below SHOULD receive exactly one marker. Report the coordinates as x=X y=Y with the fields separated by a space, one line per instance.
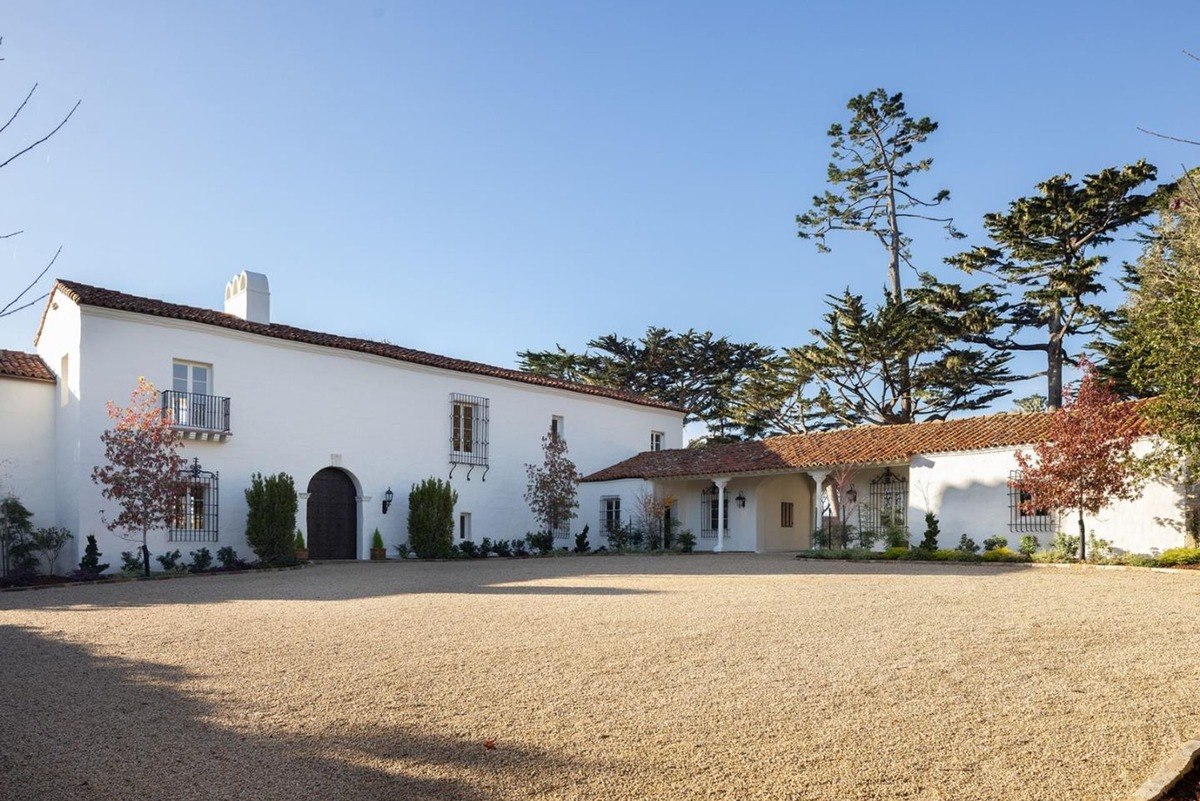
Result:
x=556 y=428
x=468 y=429
x=191 y=377
x=656 y=440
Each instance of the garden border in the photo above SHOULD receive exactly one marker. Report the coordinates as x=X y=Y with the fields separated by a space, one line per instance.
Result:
x=119 y=579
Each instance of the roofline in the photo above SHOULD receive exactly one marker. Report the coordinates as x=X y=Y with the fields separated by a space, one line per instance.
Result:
x=11 y=377
x=775 y=471
x=307 y=337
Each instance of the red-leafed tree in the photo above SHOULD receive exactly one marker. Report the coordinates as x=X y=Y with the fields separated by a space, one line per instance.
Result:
x=552 y=491
x=1086 y=461
x=143 y=470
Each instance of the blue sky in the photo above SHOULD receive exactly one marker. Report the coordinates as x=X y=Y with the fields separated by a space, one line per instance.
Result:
x=479 y=178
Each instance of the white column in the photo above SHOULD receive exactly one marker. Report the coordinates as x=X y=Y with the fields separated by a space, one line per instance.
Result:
x=818 y=477
x=720 y=482
x=302 y=514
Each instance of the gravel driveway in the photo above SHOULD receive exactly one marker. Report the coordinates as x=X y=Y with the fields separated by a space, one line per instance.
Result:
x=733 y=676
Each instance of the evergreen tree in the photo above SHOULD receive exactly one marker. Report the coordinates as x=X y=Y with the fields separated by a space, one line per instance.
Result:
x=908 y=359
x=1046 y=256
x=90 y=565
x=695 y=371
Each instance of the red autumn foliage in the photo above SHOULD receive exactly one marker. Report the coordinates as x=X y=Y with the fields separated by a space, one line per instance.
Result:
x=1086 y=461
x=144 y=465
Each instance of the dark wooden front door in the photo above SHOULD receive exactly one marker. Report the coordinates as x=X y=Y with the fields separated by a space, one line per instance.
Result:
x=332 y=516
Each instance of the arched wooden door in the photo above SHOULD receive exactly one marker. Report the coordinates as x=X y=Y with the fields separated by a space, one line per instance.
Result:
x=332 y=516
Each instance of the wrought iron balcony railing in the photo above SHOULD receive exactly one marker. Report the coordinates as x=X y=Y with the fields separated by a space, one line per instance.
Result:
x=191 y=411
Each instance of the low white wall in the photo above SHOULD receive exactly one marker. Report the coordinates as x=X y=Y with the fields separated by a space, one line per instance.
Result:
x=969 y=494
x=27 y=467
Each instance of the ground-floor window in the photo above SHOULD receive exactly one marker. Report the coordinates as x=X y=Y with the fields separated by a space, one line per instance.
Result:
x=610 y=513
x=196 y=509
x=464 y=526
x=710 y=514
x=1019 y=520
x=787 y=514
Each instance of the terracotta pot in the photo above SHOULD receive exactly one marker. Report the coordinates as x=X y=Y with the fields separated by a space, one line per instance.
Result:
x=378 y=554
x=301 y=554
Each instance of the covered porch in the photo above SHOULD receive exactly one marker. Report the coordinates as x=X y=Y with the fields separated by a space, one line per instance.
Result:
x=789 y=510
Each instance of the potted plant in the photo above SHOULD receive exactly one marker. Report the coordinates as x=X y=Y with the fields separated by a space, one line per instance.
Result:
x=301 y=547
x=378 y=552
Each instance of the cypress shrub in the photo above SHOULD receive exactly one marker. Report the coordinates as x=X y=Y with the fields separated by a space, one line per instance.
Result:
x=90 y=566
x=271 y=519
x=431 y=518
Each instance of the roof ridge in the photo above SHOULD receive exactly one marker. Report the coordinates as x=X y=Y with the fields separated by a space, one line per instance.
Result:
x=90 y=295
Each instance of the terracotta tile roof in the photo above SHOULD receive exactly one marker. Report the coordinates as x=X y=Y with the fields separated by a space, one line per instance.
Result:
x=86 y=295
x=863 y=445
x=17 y=364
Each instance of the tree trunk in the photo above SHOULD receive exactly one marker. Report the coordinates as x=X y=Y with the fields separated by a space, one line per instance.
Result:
x=1082 y=538
x=145 y=556
x=1054 y=364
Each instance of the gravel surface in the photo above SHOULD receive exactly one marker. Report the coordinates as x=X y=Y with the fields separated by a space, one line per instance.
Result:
x=733 y=676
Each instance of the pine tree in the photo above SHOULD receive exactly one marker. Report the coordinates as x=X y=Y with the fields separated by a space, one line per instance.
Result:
x=1046 y=257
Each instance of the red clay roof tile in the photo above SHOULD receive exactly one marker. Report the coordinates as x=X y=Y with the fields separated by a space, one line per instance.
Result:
x=17 y=364
x=109 y=299
x=863 y=445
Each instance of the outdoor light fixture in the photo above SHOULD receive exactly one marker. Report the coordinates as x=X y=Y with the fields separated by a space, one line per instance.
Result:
x=852 y=494
x=387 y=499
x=741 y=500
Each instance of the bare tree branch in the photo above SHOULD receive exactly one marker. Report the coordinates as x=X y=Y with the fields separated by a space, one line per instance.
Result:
x=22 y=152
x=8 y=308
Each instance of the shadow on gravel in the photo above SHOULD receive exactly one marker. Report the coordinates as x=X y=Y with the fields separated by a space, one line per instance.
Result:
x=81 y=726
x=337 y=581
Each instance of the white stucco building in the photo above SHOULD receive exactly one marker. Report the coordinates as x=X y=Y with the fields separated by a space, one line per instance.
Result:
x=771 y=495
x=349 y=419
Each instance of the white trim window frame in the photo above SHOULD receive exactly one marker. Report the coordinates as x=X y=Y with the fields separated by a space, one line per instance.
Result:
x=468 y=429
x=610 y=513
x=656 y=440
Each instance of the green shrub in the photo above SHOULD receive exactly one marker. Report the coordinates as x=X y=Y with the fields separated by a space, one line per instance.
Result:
x=967 y=545
x=228 y=558
x=1002 y=554
x=271 y=519
x=895 y=552
x=431 y=518
x=895 y=533
x=1179 y=556
x=1028 y=544
x=402 y=550
x=376 y=539
x=131 y=563
x=686 y=541
x=49 y=542
x=1098 y=550
x=1138 y=560
x=299 y=543
x=542 y=542
x=929 y=541
x=90 y=566
x=1065 y=547
x=581 y=541
x=201 y=560
x=992 y=543
x=866 y=539
x=469 y=549
x=170 y=560
x=956 y=554
x=485 y=546
x=502 y=548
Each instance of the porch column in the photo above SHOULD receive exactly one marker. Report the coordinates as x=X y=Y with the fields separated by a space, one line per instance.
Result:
x=720 y=482
x=302 y=514
x=818 y=477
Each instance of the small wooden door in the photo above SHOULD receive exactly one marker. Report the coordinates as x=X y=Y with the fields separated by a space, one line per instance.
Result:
x=332 y=516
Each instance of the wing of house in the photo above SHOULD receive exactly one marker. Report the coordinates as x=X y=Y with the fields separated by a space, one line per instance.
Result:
x=348 y=418
x=774 y=494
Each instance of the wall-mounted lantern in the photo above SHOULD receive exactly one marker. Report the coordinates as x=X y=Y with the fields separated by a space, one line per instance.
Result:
x=852 y=494
x=388 y=497
x=740 y=500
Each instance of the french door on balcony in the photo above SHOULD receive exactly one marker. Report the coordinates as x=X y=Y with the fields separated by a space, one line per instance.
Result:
x=193 y=383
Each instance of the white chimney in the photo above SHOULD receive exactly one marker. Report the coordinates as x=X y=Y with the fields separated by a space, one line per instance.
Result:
x=249 y=297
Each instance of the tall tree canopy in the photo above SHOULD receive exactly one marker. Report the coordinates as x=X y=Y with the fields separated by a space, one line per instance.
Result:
x=694 y=370
x=1162 y=338
x=1047 y=257
x=906 y=359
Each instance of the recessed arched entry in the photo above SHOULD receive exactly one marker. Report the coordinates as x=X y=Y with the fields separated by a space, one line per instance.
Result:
x=332 y=515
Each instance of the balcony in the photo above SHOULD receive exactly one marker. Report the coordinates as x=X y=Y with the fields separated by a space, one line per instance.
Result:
x=196 y=416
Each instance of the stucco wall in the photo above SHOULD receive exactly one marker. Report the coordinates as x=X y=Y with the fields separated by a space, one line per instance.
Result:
x=298 y=408
x=769 y=495
x=969 y=494
x=27 y=448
